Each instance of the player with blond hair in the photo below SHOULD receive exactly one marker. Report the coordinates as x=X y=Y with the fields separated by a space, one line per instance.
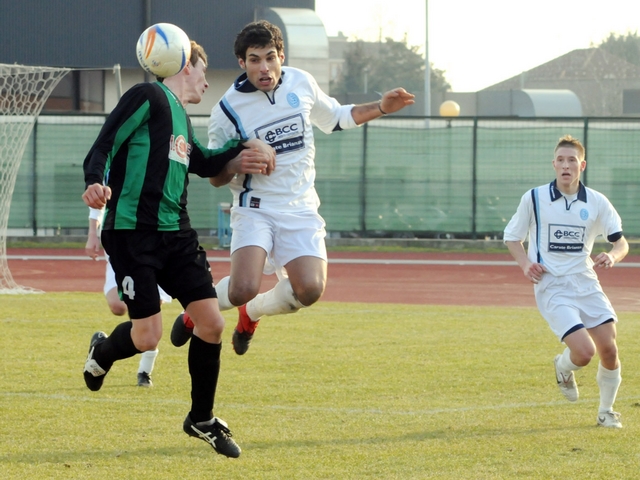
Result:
x=562 y=220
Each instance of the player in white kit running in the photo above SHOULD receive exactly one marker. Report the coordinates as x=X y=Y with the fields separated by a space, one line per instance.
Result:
x=562 y=220
x=275 y=217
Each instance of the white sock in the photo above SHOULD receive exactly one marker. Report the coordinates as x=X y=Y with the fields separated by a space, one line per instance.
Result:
x=608 y=381
x=279 y=300
x=147 y=361
x=565 y=364
x=222 y=289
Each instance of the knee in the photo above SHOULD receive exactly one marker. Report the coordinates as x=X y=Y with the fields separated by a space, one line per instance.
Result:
x=209 y=327
x=118 y=309
x=582 y=355
x=117 y=306
x=309 y=294
x=608 y=354
x=146 y=343
x=242 y=293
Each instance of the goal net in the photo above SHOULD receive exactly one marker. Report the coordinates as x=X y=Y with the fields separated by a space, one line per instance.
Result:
x=23 y=92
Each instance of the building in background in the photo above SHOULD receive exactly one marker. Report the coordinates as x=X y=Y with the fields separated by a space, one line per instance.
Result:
x=88 y=35
x=602 y=84
x=598 y=79
x=92 y=37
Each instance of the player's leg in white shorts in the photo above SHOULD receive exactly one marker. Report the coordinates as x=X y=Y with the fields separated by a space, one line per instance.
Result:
x=285 y=237
x=572 y=300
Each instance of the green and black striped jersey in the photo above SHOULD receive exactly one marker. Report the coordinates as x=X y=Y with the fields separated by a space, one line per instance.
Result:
x=144 y=153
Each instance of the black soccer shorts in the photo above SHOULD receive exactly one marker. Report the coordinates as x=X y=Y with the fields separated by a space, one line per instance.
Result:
x=142 y=260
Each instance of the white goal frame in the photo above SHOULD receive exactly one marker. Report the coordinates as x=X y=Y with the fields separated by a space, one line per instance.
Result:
x=23 y=92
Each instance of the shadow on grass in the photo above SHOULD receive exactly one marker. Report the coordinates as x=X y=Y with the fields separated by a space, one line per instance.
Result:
x=191 y=448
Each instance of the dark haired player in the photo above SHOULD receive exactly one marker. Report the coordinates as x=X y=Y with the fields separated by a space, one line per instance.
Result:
x=276 y=218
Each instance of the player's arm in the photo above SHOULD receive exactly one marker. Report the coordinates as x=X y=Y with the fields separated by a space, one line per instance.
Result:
x=391 y=102
x=258 y=158
x=514 y=234
x=92 y=247
x=533 y=271
x=209 y=162
x=616 y=254
x=132 y=109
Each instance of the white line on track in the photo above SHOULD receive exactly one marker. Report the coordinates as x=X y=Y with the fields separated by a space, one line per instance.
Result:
x=364 y=261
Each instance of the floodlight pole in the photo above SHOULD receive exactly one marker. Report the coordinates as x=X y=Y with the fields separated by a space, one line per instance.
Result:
x=427 y=65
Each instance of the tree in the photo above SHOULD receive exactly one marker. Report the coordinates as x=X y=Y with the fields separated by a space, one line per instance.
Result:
x=626 y=46
x=378 y=67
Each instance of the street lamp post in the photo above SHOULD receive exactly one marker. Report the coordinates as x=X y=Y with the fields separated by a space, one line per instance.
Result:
x=427 y=65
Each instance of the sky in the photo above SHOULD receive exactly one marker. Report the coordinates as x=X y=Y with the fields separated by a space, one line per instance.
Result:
x=481 y=42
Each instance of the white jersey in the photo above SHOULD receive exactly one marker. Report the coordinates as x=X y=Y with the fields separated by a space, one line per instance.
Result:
x=283 y=119
x=562 y=231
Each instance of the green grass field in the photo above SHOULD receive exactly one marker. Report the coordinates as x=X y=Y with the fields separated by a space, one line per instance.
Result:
x=337 y=391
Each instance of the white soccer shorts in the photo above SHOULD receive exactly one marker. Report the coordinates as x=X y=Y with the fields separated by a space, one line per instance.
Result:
x=571 y=300
x=284 y=236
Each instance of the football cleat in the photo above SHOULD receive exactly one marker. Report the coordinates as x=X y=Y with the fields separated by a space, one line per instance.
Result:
x=243 y=333
x=566 y=383
x=182 y=330
x=144 y=380
x=609 y=419
x=217 y=435
x=93 y=373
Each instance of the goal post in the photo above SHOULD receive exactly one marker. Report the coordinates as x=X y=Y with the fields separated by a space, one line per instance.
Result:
x=23 y=92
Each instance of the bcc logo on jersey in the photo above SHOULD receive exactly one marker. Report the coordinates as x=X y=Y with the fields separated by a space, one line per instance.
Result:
x=284 y=135
x=566 y=238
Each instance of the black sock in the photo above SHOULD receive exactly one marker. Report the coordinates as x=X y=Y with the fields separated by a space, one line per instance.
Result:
x=204 y=367
x=118 y=346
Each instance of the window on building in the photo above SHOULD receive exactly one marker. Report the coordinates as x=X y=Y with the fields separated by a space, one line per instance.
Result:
x=78 y=91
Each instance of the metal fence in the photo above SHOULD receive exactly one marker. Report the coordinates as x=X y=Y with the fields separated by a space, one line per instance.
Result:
x=393 y=177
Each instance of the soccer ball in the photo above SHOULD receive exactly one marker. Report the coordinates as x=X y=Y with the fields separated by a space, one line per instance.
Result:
x=163 y=49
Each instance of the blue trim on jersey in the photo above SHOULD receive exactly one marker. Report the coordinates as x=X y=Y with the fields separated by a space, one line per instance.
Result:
x=557 y=194
x=614 y=237
x=242 y=198
x=233 y=117
x=536 y=210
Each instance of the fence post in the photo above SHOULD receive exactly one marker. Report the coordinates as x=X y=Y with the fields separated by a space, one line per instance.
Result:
x=363 y=180
x=474 y=178
x=34 y=180
x=585 y=137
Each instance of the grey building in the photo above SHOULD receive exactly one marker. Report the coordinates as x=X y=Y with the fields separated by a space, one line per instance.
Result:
x=86 y=34
x=598 y=79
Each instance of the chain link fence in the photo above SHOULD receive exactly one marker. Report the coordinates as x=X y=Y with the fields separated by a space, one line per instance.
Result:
x=394 y=177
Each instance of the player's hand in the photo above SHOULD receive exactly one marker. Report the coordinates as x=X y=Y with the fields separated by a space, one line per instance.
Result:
x=534 y=272
x=269 y=154
x=396 y=99
x=257 y=158
x=92 y=248
x=96 y=195
x=603 y=260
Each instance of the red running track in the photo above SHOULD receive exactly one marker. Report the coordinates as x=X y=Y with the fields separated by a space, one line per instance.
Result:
x=370 y=277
